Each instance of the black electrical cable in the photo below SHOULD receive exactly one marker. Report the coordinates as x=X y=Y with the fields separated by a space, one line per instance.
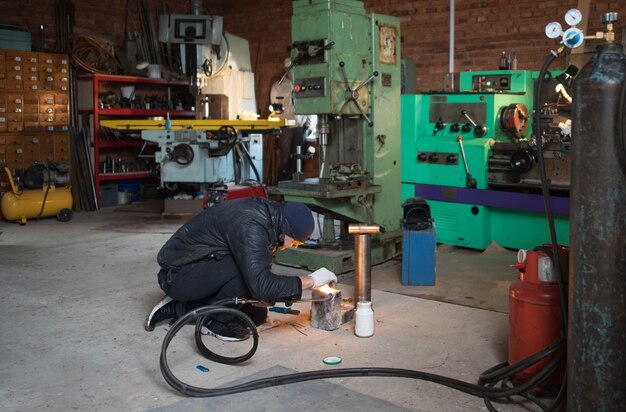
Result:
x=200 y=315
x=249 y=158
x=546 y=191
x=45 y=196
x=505 y=371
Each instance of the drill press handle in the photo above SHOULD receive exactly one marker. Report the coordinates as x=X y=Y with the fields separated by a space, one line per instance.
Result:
x=354 y=94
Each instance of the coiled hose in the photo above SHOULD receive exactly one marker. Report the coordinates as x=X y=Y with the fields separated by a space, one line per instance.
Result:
x=484 y=389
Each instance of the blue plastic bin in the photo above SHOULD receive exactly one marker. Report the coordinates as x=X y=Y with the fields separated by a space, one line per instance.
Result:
x=419 y=244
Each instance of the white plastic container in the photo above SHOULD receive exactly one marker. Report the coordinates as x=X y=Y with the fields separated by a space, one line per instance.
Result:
x=154 y=71
x=364 y=320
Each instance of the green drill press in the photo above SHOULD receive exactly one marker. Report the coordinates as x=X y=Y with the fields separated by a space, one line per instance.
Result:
x=347 y=72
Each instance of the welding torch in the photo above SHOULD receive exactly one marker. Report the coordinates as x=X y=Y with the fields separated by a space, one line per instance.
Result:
x=287 y=311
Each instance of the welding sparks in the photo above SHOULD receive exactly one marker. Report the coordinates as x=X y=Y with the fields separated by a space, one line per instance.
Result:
x=294 y=244
x=327 y=290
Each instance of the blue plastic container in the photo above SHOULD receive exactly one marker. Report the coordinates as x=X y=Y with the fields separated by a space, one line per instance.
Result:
x=419 y=244
x=132 y=187
x=418 y=257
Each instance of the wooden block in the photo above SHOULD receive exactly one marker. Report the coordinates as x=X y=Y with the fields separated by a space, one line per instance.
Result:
x=326 y=315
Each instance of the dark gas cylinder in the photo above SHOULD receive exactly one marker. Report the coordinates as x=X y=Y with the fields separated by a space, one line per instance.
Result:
x=596 y=369
x=535 y=319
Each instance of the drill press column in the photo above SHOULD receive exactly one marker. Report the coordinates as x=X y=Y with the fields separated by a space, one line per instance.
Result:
x=347 y=71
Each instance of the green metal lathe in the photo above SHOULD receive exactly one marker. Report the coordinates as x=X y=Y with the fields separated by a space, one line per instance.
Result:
x=472 y=156
x=347 y=72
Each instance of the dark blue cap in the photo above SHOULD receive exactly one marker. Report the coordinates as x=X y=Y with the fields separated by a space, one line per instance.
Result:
x=298 y=221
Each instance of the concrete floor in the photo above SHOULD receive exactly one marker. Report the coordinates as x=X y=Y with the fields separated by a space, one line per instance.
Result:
x=75 y=295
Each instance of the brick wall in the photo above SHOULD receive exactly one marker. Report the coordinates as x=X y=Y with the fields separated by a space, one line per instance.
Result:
x=483 y=29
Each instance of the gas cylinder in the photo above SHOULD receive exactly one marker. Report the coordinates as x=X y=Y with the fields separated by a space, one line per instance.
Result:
x=596 y=344
x=535 y=319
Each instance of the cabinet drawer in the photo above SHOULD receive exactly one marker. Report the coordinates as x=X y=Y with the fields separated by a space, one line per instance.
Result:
x=46 y=118
x=15 y=126
x=15 y=118
x=46 y=144
x=31 y=109
x=14 y=55
x=15 y=161
x=14 y=108
x=31 y=86
x=31 y=118
x=32 y=154
x=62 y=140
x=47 y=98
x=46 y=109
x=46 y=157
x=62 y=158
x=15 y=149
x=13 y=85
x=31 y=140
x=61 y=118
x=15 y=99
x=61 y=108
x=61 y=61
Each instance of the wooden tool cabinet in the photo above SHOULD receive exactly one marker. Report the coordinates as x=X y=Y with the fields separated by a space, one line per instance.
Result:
x=34 y=110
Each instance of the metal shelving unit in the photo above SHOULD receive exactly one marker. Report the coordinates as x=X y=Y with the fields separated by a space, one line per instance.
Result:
x=101 y=96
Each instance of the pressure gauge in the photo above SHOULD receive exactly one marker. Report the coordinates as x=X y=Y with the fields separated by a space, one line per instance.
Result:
x=573 y=37
x=573 y=17
x=553 y=30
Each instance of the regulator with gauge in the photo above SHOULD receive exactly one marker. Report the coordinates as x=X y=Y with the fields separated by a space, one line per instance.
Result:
x=572 y=37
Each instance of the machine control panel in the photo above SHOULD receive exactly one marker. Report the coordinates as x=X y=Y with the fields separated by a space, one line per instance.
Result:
x=492 y=82
x=313 y=87
x=441 y=158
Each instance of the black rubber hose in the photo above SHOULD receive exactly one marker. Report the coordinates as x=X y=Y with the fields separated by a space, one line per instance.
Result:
x=45 y=196
x=546 y=191
x=546 y=199
x=249 y=158
x=199 y=315
x=229 y=360
x=504 y=370
x=487 y=392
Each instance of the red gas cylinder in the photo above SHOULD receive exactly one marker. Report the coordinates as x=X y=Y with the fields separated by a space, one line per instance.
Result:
x=535 y=312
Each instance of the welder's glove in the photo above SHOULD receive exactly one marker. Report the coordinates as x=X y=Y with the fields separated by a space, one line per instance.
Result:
x=322 y=276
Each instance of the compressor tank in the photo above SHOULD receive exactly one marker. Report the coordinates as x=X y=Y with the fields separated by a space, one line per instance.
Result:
x=27 y=203
x=597 y=296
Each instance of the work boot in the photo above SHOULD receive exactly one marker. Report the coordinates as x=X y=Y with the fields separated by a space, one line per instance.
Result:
x=230 y=331
x=165 y=309
x=258 y=314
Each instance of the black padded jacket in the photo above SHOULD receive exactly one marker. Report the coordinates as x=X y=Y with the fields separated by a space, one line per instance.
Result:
x=245 y=228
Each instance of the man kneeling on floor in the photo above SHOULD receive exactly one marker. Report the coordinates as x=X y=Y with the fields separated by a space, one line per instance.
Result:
x=226 y=252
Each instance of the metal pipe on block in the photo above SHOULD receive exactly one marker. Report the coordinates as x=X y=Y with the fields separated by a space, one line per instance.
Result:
x=363 y=256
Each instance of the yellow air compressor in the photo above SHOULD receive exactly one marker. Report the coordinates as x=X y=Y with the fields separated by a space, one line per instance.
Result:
x=39 y=197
